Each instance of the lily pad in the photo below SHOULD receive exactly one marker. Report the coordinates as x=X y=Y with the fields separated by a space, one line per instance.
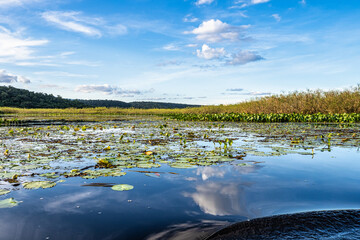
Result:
x=49 y=175
x=3 y=192
x=8 y=203
x=39 y=184
x=122 y=187
x=182 y=165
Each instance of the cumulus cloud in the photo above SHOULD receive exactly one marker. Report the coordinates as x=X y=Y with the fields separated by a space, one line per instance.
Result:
x=76 y=22
x=108 y=90
x=276 y=17
x=216 y=31
x=244 y=57
x=15 y=47
x=208 y=53
x=6 y=77
x=201 y=2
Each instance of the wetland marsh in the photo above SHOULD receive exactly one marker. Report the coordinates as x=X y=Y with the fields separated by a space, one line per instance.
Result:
x=154 y=178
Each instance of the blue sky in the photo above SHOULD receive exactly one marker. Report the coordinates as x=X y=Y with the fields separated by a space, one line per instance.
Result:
x=185 y=51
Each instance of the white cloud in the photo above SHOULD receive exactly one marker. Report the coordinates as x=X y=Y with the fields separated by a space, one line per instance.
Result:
x=71 y=21
x=171 y=47
x=208 y=53
x=6 y=77
x=276 y=17
x=259 y=1
x=209 y=172
x=201 y=2
x=191 y=45
x=244 y=57
x=8 y=3
x=77 y=22
x=14 y=47
x=189 y=18
x=247 y=3
x=303 y=2
x=23 y=79
x=215 y=31
x=105 y=89
x=65 y=54
x=220 y=199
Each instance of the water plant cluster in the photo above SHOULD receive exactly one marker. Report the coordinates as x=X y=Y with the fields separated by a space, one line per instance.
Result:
x=34 y=157
x=271 y=117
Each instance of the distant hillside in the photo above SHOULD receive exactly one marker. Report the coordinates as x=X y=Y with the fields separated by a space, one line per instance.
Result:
x=21 y=98
x=141 y=105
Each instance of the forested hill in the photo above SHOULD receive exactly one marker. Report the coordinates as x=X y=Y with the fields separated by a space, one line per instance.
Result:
x=21 y=98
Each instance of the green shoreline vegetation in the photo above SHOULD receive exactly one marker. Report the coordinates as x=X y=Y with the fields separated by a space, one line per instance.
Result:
x=309 y=106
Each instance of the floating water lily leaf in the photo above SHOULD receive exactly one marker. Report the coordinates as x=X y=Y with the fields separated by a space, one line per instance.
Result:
x=26 y=167
x=182 y=165
x=39 y=184
x=148 y=165
x=8 y=203
x=6 y=175
x=122 y=187
x=49 y=175
x=3 y=191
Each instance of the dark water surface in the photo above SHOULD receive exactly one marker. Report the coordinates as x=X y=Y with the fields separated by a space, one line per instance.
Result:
x=196 y=202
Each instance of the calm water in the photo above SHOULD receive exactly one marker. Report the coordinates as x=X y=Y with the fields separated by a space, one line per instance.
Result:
x=190 y=204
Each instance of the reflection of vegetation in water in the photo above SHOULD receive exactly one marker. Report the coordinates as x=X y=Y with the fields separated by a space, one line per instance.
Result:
x=38 y=156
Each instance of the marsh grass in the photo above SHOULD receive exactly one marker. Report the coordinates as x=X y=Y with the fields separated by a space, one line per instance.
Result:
x=309 y=102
